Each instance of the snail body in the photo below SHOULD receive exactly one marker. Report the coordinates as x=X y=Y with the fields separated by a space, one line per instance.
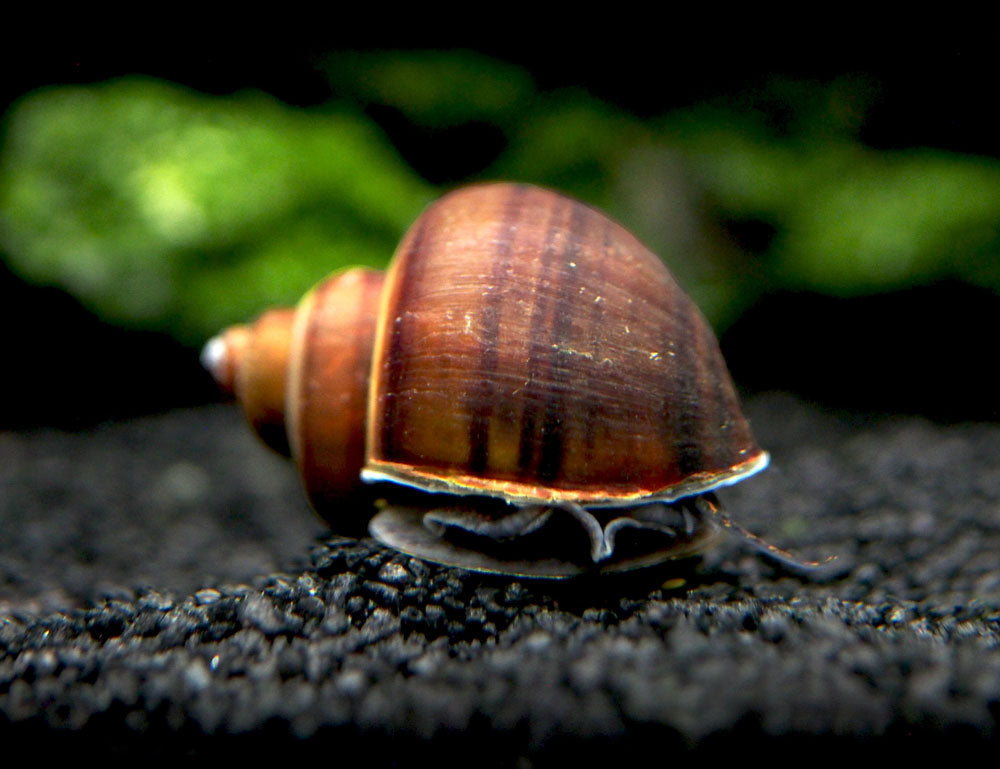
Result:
x=533 y=371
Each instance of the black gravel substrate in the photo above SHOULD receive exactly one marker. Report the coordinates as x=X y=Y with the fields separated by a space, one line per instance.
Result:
x=142 y=608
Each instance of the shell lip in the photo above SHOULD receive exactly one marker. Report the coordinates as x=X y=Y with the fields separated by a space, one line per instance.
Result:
x=521 y=493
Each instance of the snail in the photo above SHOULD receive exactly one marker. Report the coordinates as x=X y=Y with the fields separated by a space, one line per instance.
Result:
x=529 y=386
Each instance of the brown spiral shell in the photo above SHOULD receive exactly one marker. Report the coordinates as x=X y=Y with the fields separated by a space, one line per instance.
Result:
x=522 y=346
x=528 y=347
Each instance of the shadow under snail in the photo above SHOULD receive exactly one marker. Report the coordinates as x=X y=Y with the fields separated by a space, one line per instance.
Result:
x=525 y=364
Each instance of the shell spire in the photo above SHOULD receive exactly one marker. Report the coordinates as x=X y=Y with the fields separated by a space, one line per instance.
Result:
x=301 y=377
x=249 y=362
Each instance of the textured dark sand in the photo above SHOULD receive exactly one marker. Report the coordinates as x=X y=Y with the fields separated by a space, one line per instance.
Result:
x=142 y=607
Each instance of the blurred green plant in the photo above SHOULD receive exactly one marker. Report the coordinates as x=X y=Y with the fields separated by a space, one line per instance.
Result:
x=849 y=220
x=434 y=88
x=160 y=207
x=163 y=208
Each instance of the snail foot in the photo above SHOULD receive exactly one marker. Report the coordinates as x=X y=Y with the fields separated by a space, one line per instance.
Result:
x=544 y=542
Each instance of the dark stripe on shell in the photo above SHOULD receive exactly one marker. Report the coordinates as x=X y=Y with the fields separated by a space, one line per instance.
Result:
x=697 y=454
x=717 y=442
x=539 y=335
x=681 y=410
x=596 y=333
x=553 y=421
x=484 y=399
x=394 y=367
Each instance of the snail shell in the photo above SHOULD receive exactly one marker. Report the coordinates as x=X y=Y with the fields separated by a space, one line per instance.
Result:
x=530 y=348
x=532 y=359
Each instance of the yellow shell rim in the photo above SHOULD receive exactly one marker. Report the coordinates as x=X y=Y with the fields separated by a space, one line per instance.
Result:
x=520 y=493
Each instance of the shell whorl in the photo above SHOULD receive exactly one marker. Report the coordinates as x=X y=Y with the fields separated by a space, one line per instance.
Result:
x=529 y=347
x=327 y=391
